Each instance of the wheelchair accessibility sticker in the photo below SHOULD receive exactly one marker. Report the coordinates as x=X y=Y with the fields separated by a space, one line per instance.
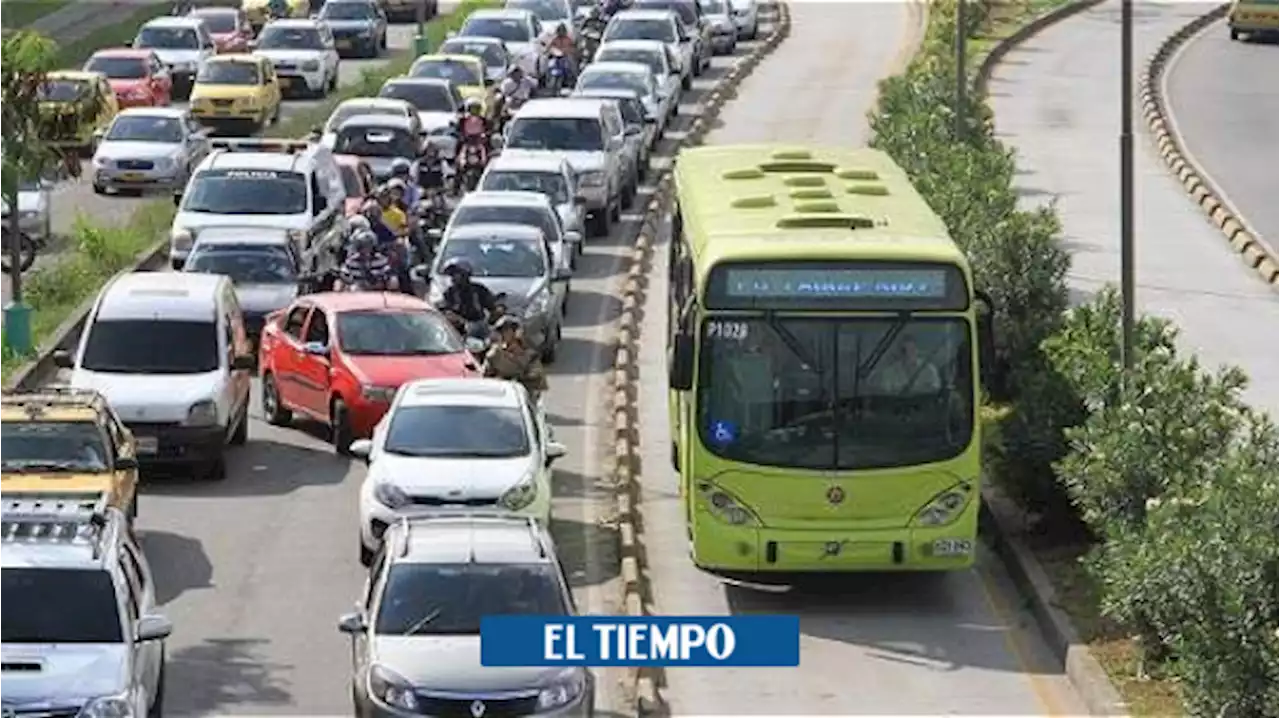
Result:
x=723 y=433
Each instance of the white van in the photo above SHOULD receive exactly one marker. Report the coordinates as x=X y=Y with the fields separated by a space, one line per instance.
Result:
x=169 y=352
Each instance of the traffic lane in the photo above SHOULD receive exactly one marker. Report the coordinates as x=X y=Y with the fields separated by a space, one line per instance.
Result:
x=1054 y=101
x=918 y=644
x=255 y=570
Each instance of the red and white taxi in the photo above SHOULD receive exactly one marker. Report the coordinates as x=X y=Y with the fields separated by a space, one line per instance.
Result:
x=137 y=77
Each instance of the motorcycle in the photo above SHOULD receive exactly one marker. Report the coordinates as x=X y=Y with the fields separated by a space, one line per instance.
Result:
x=28 y=248
x=557 y=73
x=592 y=34
x=471 y=163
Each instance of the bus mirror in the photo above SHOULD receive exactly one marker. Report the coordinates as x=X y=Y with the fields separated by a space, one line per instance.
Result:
x=681 y=369
x=986 y=340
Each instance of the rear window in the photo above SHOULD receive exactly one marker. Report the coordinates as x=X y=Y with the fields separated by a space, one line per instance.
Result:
x=531 y=216
x=229 y=73
x=43 y=605
x=507 y=30
x=150 y=346
x=558 y=134
x=644 y=57
x=450 y=599
x=687 y=10
x=218 y=22
x=491 y=55
x=640 y=29
x=424 y=97
x=118 y=68
x=167 y=38
x=63 y=90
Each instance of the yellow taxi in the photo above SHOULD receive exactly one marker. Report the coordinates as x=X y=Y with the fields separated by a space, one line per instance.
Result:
x=67 y=443
x=74 y=105
x=238 y=93
x=1258 y=18
x=466 y=72
x=256 y=11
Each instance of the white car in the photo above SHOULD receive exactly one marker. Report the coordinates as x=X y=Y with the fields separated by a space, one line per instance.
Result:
x=519 y=30
x=658 y=25
x=550 y=14
x=746 y=16
x=489 y=50
x=455 y=444
x=33 y=208
x=303 y=54
x=183 y=44
x=660 y=95
x=366 y=106
x=437 y=103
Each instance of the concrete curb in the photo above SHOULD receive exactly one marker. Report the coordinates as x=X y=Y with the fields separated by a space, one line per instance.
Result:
x=636 y=596
x=1195 y=181
x=997 y=515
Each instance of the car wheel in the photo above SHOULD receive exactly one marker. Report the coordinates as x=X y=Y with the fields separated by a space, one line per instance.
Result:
x=686 y=83
x=598 y=224
x=133 y=506
x=366 y=560
x=755 y=31
x=157 y=701
x=340 y=427
x=99 y=189
x=217 y=469
x=241 y=433
x=1235 y=34
x=272 y=407
x=549 y=351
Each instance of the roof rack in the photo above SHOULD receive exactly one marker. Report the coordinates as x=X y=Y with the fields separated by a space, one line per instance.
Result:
x=258 y=144
x=55 y=517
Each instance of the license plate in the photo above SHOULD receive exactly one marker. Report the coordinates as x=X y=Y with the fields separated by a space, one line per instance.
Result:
x=284 y=83
x=952 y=547
x=133 y=176
x=148 y=445
x=343 y=44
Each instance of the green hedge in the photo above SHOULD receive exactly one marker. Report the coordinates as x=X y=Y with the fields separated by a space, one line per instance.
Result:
x=1170 y=473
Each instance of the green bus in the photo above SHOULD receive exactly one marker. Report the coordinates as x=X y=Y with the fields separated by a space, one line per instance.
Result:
x=824 y=354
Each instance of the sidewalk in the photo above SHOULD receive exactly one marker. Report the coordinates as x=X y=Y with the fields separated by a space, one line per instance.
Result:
x=1057 y=102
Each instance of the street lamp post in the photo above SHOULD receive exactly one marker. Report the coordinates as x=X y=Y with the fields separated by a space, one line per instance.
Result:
x=962 y=74
x=1126 y=184
x=420 y=40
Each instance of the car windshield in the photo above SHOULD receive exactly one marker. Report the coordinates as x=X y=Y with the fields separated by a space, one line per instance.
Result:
x=459 y=73
x=613 y=80
x=244 y=264
x=492 y=55
x=58 y=605
x=63 y=90
x=218 y=22
x=558 y=134
x=145 y=128
x=375 y=142
x=396 y=333
x=641 y=29
x=645 y=57
x=346 y=112
x=348 y=11
x=151 y=346
x=423 y=96
x=632 y=111
x=436 y=599
x=118 y=68
x=246 y=192
x=351 y=184
x=539 y=218
x=714 y=7
x=460 y=432
x=552 y=184
x=684 y=9
x=497 y=258
x=228 y=73
x=290 y=38
x=167 y=38
x=507 y=30
x=835 y=394
x=51 y=446
x=542 y=9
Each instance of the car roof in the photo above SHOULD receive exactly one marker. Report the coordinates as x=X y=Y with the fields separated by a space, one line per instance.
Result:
x=129 y=52
x=56 y=531
x=149 y=295
x=83 y=75
x=486 y=39
x=403 y=80
x=297 y=22
x=472 y=537
x=176 y=113
x=552 y=107
x=213 y=10
x=226 y=234
x=500 y=13
x=279 y=162
x=375 y=102
x=463 y=391
x=190 y=22
x=493 y=230
x=646 y=14
x=515 y=160
x=493 y=198
x=617 y=66
x=654 y=45
x=397 y=122
x=366 y=301
x=238 y=57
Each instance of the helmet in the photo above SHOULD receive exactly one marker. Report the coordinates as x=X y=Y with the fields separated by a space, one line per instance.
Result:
x=400 y=167
x=506 y=321
x=359 y=223
x=396 y=184
x=474 y=105
x=457 y=268
x=363 y=239
x=562 y=29
x=515 y=71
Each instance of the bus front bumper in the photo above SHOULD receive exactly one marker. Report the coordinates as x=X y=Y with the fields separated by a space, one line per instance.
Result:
x=719 y=547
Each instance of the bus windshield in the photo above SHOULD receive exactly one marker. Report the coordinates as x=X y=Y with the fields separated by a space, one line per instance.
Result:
x=835 y=394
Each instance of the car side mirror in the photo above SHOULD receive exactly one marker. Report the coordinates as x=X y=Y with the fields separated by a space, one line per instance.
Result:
x=681 y=371
x=153 y=628
x=316 y=349
x=362 y=448
x=243 y=362
x=435 y=235
x=450 y=34
x=99 y=133
x=566 y=91
x=62 y=359
x=555 y=450
x=126 y=463
x=352 y=623
x=177 y=199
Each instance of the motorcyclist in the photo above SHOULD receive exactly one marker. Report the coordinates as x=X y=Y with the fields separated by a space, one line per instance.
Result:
x=372 y=212
x=511 y=359
x=278 y=9
x=517 y=88
x=365 y=266
x=402 y=169
x=564 y=43
x=393 y=215
x=469 y=301
x=609 y=7
x=433 y=171
x=399 y=211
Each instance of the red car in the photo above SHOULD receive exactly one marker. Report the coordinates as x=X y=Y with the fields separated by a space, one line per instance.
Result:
x=339 y=357
x=228 y=27
x=357 y=179
x=137 y=77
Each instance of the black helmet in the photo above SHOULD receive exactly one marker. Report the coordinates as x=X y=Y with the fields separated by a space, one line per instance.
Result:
x=457 y=268
x=400 y=167
x=506 y=322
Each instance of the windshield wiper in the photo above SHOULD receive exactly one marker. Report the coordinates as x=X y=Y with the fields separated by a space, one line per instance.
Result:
x=423 y=622
x=878 y=351
x=793 y=343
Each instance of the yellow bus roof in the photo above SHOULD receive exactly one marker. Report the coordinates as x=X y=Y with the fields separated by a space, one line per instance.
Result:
x=761 y=202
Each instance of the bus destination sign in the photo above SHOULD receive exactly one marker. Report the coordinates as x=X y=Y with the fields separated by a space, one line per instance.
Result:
x=836 y=285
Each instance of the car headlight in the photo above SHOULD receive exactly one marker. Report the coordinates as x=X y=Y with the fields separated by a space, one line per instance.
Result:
x=311 y=66
x=162 y=163
x=538 y=306
x=382 y=394
x=108 y=707
x=591 y=179
x=390 y=495
x=181 y=239
x=561 y=693
x=724 y=506
x=389 y=688
x=202 y=413
x=101 y=161
x=945 y=507
x=521 y=495
x=366 y=33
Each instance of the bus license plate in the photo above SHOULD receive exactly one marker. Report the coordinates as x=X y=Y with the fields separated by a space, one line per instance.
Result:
x=952 y=547
x=148 y=445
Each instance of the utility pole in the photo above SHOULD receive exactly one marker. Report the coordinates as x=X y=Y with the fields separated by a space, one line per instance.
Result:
x=962 y=74
x=1126 y=184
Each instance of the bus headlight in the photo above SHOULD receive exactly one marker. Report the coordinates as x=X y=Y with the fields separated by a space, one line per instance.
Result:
x=725 y=507
x=945 y=507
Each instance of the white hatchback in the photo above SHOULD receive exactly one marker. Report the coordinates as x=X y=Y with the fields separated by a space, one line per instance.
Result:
x=454 y=444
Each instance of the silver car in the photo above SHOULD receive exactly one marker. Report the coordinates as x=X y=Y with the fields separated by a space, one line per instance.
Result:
x=663 y=65
x=262 y=262
x=379 y=140
x=717 y=17
x=659 y=25
x=416 y=628
x=81 y=634
x=359 y=27
x=516 y=171
x=148 y=148
x=437 y=103
x=533 y=209
x=642 y=129
x=746 y=16
x=515 y=260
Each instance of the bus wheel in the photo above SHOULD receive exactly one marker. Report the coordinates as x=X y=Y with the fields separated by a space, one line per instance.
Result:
x=675 y=456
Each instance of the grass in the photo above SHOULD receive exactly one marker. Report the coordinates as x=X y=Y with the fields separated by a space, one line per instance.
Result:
x=75 y=52
x=1005 y=19
x=21 y=13
x=55 y=291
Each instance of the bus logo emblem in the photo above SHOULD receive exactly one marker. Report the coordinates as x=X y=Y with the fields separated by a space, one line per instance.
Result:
x=835 y=495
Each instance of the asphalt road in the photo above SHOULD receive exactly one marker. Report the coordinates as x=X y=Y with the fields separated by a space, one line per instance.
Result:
x=254 y=571
x=950 y=644
x=1056 y=102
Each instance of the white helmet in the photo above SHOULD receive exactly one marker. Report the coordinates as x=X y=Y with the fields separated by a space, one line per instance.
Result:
x=363 y=238
x=359 y=223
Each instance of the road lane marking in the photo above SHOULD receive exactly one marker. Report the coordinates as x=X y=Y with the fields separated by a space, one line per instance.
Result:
x=1044 y=694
